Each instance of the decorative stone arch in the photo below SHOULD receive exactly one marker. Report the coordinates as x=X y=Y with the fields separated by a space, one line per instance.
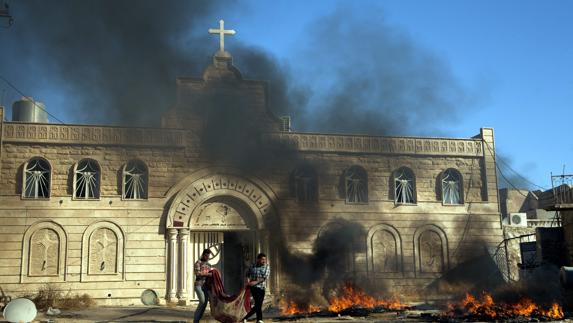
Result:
x=426 y=239
x=254 y=194
x=207 y=191
x=393 y=258
x=103 y=250
x=44 y=253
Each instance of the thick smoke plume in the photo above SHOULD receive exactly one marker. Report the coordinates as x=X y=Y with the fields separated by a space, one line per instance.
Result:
x=108 y=61
x=116 y=62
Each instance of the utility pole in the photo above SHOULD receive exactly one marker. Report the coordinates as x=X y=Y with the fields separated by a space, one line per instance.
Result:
x=6 y=20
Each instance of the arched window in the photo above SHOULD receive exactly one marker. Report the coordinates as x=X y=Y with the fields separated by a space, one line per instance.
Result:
x=404 y=186
x=37 y=178
x=304 y=184
x=135 y=180
x=452 y=187
x=356 y=185
x=87 y=177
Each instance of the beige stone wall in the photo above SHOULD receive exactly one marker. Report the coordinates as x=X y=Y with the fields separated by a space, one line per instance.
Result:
x=166 y=166
x=142 y=258
x=465 y=229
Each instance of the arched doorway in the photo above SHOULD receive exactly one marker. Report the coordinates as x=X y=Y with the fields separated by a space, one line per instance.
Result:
x=224 y=213
x=227 y=227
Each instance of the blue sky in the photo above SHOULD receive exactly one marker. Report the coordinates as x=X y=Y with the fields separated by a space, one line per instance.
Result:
x=513 y=59
x=518 y=54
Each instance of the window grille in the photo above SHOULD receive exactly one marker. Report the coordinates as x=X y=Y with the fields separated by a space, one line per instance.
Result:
x=356 y=182
x=451 y=187
x=135 y=179
x=37 y=179
x=87 y=180
x=404 y=187
x=305 y=184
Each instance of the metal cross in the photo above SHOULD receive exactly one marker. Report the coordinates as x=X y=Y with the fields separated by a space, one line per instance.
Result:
x=222 y=32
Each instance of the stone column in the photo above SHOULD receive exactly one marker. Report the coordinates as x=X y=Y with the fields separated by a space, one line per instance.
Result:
x=172 y=264
x=183 y=266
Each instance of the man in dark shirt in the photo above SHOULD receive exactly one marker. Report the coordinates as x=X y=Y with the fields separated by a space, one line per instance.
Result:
x=257 y=276
x=202 y=270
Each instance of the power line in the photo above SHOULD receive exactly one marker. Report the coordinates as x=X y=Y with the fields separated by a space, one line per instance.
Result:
x=29 y=98
x=513 y=170
x=501 y=173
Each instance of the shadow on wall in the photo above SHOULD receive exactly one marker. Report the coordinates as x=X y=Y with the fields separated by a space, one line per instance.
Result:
x=313 y=277
x=475 y=275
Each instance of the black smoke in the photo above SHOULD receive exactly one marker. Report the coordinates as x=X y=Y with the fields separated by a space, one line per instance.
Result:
x=108 y=61
x=508 y=177
x=116 y=62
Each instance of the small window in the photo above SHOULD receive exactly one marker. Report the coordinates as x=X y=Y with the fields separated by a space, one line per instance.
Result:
x=356 y=184
x=135 y=179
x=37 y=177
x=404 y=186
x=452 y=187
x=87 y=178
x=304 y=184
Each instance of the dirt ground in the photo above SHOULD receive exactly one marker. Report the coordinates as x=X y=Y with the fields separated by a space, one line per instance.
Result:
x=185 y=314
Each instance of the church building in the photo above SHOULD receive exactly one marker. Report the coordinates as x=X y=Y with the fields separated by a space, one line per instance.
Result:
x=117 y=212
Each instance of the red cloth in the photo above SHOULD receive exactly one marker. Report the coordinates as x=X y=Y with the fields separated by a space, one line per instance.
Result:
x=226 y=308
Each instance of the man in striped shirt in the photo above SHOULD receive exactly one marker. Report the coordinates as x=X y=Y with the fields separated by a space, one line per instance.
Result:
x=202 y=270
x=257 y=276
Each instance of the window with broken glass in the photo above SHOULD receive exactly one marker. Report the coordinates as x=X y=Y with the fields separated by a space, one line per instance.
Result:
x=135 y=179
x=87 y=180
x=356 y=183
x=451 y=187
x=37 y=176
x=404 y=186
x=304 y=184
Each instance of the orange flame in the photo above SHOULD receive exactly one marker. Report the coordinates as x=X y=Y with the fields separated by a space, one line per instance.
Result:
x=347 y=297
x=486 y=307
x=351 y=296
x=291 y=308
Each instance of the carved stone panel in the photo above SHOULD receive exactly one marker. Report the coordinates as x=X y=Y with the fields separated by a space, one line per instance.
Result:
x=384 y=252
x=431 y=252
x=87 y=135
x=103 y=248
x=219 y=216
x=44 y=253
x=385 y=145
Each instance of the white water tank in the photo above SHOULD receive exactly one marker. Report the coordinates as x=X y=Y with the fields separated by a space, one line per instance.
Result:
x=28 y=110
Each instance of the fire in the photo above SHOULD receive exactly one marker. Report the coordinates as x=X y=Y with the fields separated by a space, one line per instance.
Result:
x=347 y=297
x=351 y=296
x=291 y=308
x=486 y=307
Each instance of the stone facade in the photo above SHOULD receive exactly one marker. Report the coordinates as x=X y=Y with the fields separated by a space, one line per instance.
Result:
x=115 y=247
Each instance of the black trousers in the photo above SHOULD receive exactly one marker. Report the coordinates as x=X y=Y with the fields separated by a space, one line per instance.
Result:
x=259 y=296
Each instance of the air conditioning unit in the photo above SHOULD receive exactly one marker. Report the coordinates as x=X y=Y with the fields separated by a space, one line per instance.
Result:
x=518 y=219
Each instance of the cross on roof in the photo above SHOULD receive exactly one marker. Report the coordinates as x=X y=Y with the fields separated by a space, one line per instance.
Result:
x=222 y=32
